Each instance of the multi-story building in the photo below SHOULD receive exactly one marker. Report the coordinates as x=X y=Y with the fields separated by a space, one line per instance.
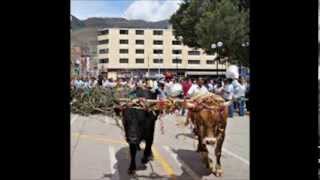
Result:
x=137 y=51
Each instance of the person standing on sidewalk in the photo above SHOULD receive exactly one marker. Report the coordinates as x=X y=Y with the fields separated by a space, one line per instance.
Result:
x=228 y=95
x=240 y=90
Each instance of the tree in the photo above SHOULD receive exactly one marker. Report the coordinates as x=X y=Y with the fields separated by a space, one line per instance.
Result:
x=203 y=22
x=183 y=22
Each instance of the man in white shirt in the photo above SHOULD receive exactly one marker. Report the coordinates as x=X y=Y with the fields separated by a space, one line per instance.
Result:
x=210 y=86
x=167 y=86
x=79 y=83
x=198 y=88
x=228 y=90
x=240 y=90
x=175 y=89
x=93 y=82
x=109 y=83
x=218 y=88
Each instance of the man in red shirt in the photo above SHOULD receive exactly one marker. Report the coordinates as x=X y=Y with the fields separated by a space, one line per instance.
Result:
x=186 y=85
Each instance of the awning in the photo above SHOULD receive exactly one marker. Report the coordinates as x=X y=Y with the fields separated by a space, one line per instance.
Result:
x=204 y=72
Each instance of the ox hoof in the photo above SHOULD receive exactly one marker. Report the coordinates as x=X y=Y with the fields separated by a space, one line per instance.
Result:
x=131 y=172
x=145 y=160
x=218 y=172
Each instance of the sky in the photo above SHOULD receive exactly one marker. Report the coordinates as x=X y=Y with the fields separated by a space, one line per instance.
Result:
x=149 y=10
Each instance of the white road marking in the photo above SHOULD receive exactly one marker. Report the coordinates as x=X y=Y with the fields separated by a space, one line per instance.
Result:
x=75 y=117
x=113 y=166
x=236 y=156
x=182 y=164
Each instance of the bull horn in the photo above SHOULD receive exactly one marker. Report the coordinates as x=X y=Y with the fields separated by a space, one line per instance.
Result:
x=189 y=105
x=227 y=103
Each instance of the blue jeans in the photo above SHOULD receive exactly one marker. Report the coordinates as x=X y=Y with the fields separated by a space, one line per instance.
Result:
x=230 y=110
x=241 y=106
x=183 y=111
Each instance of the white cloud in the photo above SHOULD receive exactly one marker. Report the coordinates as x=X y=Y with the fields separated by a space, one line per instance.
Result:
x=155 y=10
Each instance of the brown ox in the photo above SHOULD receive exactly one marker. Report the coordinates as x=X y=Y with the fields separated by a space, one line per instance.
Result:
x=210 y=127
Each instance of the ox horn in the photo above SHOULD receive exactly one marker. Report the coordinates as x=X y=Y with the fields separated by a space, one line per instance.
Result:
x=227 y=103
x=189 y=105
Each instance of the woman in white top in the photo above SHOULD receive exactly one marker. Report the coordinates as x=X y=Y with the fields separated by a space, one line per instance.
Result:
x=228 y=95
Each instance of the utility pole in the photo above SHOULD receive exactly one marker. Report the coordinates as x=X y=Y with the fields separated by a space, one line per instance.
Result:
x=148 y=66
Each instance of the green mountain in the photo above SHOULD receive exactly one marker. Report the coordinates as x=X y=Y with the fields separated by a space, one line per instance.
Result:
x=96 y=22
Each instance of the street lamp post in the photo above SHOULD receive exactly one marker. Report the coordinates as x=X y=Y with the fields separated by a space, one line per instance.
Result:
x=148 y=66
x=177 y=66
x=244 y=45
x=217 y=46
x=159 y=57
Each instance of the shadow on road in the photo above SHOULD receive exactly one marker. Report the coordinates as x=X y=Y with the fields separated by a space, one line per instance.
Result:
x=192 y=160
x=122 y=165
x=188 y=157
x=188 y=135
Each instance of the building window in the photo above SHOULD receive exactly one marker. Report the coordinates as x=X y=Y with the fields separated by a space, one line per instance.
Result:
x=122 y=31
x=104 y=61
x=157 y=42
x=139 y=51
x=103 y=51
x=176 y=51
x=157 y=51
x=177 y=61
x=103 y=32
x=176 y=42
x=210 y=61
x=124 y=41
x=139 y=32
x=158 y=61
x=138 y=41
x=139 y=61
x=124 y=61
x=105 y=41
x=194 y=62
x=157 y=32
x=193 y=52
x=124 y=51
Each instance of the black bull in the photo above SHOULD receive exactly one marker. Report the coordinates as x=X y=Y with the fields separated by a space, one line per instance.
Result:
x=139 y=126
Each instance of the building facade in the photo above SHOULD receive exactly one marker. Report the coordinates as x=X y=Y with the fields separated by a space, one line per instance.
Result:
x=135 y=52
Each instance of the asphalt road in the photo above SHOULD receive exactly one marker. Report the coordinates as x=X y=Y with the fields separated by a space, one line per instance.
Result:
x=99 y=152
